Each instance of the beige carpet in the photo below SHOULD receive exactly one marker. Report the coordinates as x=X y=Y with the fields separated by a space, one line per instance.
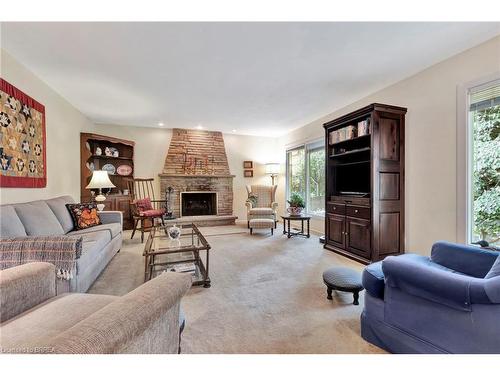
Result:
x=267 y=296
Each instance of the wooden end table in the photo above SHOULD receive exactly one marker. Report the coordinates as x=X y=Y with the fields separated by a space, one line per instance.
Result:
x=301 y=218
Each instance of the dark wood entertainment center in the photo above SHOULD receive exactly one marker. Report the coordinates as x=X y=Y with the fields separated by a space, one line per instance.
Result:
x=365 y=183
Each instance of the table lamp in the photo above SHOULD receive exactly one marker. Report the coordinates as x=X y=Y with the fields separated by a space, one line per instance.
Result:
x=100 y=180
x=273 y=169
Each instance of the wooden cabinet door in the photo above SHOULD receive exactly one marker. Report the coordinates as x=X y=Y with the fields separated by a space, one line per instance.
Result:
x=123 y=205
x=359 y=237
x=336 y=230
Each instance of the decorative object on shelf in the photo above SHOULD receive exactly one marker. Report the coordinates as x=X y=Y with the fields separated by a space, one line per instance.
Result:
x=108 y=152
x=110 y=168
x=364 y=127
x=90 y=166
x=174 y=232
x=350 y=132
x=125 y=191
x=84 y=215
x=296 y=203
x=169 y=215
x=273 y=169
x=248 y=173
x=248 y=164
x=124 y=170
x=23 y=160
x=87 y=146
x=100 y=180
x=116 y=153
x=98 y=151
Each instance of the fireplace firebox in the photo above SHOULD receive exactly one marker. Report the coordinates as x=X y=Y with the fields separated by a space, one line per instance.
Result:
x=198 y=203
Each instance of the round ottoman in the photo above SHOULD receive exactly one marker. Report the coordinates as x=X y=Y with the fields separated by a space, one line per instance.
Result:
x=343 y=279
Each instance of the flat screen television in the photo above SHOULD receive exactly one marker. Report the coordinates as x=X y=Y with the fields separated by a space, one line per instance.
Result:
x=353 y=180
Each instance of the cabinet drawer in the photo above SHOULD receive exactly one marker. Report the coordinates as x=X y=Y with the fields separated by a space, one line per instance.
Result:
x=358 y=211
x=336 y=208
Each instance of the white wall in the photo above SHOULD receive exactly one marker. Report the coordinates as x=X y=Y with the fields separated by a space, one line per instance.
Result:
x=431 y=124
x=63 y=126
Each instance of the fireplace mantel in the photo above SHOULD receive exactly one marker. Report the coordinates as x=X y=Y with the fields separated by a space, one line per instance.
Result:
x=197 y=175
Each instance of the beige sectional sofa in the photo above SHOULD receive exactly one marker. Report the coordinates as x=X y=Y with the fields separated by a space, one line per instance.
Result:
x=51 y=218
x=35 y=320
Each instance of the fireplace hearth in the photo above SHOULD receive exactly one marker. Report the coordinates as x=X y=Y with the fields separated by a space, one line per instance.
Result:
x=198 y=203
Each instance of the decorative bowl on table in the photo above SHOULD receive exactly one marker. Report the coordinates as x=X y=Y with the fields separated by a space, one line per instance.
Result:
x=174 y=232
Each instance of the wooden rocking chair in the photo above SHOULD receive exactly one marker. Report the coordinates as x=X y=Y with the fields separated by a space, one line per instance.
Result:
x=143 y=205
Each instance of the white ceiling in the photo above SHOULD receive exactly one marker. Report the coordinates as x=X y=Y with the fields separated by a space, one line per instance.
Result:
x=255 y=78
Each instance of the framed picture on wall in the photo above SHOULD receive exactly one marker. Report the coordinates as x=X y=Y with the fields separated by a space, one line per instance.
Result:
x=248 y=173
x=247 y=164
x=22 y=139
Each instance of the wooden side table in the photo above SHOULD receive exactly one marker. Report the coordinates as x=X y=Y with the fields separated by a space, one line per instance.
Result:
x=286 y=225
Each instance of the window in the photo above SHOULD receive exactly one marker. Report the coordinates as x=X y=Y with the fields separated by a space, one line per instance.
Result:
x=484 y=158
x=306 y=175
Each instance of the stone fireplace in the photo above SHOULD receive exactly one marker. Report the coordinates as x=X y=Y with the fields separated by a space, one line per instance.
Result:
x=196 y=168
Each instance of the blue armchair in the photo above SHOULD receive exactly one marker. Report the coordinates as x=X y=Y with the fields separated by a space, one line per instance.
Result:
x=446 y=303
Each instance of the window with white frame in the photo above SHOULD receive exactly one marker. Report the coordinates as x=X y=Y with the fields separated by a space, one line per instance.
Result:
x=484 y=160
x=305 y=175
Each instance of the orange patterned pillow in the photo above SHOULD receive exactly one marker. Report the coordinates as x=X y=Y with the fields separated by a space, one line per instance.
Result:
x=84 y=215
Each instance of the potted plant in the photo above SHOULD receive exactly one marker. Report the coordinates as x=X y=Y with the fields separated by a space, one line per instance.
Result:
x=296 y=203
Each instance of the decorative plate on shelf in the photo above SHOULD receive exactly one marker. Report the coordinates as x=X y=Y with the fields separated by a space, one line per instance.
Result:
x=124 y=170
x=110 y=168
x=111 y=151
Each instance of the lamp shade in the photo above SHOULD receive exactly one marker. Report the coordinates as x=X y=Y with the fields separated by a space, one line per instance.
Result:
x=272 y=168
x=100 y=180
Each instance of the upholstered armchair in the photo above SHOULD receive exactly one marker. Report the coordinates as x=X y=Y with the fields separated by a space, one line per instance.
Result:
x=261 y=203
x=446 y=303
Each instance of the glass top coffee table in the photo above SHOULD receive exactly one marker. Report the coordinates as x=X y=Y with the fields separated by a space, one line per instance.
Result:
x=181 y=255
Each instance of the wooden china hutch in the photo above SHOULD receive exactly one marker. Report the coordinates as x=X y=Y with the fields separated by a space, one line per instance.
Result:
x=112 y=154
x=365 y=183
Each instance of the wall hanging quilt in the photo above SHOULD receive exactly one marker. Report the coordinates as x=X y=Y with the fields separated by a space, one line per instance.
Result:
x=23 y=161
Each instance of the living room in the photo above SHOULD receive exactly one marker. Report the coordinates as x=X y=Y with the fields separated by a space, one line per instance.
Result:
x=167 y=188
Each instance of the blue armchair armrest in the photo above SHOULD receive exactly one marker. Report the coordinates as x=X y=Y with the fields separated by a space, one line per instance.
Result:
x=470 y=260
x=447 y=288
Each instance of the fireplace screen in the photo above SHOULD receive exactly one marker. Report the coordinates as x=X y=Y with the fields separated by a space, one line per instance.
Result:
x=198 y=203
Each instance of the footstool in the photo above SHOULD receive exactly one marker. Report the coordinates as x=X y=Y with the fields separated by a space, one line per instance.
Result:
x=343 y=279
x=261 y=224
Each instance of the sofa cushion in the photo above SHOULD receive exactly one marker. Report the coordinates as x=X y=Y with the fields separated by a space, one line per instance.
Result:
x=10 y=224
x=114 y=229
x=38 y=219
x=495 y=269
x=373 y=280
x=92 y=249
x=58 y=207
x=84 y=215
x=261 y=211
x=37 y=326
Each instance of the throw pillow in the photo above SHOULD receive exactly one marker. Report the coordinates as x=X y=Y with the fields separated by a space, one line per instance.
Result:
x=253 y=199
x=495 y=269
x=143 y=204
x=84 y=215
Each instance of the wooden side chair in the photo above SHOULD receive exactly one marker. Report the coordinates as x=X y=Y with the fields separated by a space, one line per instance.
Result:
x=144 y=206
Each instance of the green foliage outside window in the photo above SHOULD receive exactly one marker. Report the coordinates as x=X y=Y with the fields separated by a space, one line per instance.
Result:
x=486 y=174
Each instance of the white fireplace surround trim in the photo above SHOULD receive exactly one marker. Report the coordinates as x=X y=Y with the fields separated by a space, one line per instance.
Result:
x=197 y=192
